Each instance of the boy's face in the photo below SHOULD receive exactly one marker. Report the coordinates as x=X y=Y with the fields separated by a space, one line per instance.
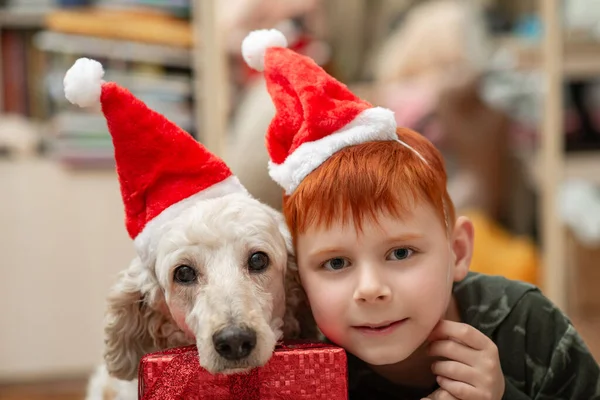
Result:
x=380 y=291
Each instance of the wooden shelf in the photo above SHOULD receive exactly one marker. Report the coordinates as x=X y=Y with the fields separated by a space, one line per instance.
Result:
x=114 y=49
x=153 y=39
x=584 y=166
x=580 y=58
x=145 y=26
x=558 y=59
x=21 y=19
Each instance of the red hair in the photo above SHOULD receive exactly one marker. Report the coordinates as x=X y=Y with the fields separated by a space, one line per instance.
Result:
x=362 y=180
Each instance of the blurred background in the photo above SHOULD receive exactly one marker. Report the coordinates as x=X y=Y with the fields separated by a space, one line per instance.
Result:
x=508 y=90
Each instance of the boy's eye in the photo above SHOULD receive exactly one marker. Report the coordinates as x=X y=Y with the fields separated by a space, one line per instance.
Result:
x=400 y=254
x=335 y=264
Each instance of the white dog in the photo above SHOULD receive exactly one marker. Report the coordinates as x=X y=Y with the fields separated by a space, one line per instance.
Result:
x=214 y=267
x=223 y=278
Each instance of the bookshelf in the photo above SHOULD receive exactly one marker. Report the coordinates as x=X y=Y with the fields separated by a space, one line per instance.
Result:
x=560 y=58
x=58 y=42
x=561 y=55
x=152 y=42
x=14 y=19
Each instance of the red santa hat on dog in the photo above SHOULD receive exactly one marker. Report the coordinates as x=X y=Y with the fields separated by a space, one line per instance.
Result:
x=162 y=169
x=316 y=115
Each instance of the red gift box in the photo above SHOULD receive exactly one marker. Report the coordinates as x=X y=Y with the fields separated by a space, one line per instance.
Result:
x=295 y=371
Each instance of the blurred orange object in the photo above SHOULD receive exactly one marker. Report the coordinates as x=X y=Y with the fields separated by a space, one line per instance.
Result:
x=497 y=252
x=136 y=25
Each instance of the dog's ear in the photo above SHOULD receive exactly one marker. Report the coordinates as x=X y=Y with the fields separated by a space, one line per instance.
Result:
x=134 y=323
x=298 y=321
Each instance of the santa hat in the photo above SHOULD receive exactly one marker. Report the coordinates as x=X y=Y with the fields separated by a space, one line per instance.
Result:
x=162 y=169
x=316 y=115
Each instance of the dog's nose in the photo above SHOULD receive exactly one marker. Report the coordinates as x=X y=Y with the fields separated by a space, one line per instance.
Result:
x=234 y=342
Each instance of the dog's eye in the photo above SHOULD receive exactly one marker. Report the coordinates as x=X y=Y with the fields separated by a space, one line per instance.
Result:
x=258 y=262
x=184 y=274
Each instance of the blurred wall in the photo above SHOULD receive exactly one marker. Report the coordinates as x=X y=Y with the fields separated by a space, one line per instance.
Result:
x=62 y=241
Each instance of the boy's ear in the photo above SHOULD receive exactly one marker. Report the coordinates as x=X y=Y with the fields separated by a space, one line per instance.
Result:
x=462 y=247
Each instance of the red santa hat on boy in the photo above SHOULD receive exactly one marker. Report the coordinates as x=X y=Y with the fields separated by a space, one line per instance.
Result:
x=316 y=115
x=162 y=169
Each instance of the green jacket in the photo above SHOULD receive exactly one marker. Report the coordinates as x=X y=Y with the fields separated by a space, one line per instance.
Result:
x=541 y=354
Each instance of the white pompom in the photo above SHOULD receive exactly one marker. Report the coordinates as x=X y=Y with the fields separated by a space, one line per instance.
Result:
x=83 y=82
x=256 y=44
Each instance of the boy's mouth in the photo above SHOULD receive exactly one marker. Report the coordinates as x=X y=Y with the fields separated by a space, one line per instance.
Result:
x=380 y=328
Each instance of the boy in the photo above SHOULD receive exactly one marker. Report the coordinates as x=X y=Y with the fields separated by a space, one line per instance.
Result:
x=384 y=261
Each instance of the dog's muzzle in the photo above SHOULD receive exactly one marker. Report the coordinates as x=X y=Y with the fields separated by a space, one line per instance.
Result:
x=234 y=342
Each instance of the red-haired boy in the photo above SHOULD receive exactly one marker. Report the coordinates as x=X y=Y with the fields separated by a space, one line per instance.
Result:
x=385 y=262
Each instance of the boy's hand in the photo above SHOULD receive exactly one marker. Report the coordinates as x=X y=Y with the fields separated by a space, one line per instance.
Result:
x=440 y=394
x=470 y=369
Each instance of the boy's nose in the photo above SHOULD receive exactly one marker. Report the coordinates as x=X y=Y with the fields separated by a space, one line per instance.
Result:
x=372 y=288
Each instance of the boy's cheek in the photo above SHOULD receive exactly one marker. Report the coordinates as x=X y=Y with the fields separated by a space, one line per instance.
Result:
x=329 y=326
x=324 y=310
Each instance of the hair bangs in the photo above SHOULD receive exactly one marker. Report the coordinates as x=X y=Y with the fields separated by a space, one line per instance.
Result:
x=358 y=182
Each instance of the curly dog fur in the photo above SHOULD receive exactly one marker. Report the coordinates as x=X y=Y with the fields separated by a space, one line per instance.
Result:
x=149 y=310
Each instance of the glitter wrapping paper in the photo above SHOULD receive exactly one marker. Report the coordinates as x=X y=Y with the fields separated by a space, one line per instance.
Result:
x=296 y=371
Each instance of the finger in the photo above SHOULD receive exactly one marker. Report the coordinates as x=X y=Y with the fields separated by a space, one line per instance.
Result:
x=460 y=332
x=441 y=394
x=453 y=350
x=457 y=389
x=455 y=371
